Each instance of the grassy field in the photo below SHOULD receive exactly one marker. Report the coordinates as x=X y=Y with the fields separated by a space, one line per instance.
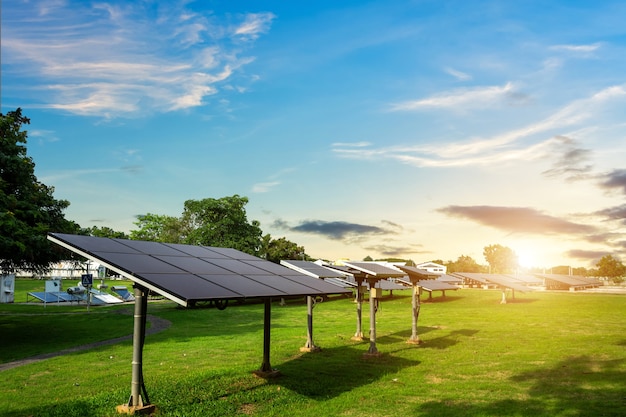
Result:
x=544 y=354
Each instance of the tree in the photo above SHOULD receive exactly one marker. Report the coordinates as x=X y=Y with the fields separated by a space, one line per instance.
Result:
x=221 y=222
x=501 y=259
x=276 y=249
x=103 y=231
x=464 y=264
x=611 y=267
x=158 y=228
x=28 y=209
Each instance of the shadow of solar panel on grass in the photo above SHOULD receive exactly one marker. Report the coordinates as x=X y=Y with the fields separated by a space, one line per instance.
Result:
x=331 y=372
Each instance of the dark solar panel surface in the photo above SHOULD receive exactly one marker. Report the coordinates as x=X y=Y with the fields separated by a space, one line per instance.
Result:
x=375 y=269
x=312 y=269
x=434 y=285
x=195 y=273
x=418 y=273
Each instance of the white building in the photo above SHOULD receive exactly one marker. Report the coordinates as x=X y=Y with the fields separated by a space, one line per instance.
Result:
x=433 y=267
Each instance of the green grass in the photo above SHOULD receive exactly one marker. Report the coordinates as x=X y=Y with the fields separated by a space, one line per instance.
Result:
x=545 y=354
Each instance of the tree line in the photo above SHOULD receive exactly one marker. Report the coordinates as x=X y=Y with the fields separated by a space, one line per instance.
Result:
x=29 y=211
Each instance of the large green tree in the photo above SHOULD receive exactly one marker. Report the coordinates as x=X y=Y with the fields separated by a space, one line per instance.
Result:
x=103 y=231
x=221 y=222
x=611 y=267
x=28 y=209
x=464 y=264
x=158 y=228
x=275 y=250
x=501 y=259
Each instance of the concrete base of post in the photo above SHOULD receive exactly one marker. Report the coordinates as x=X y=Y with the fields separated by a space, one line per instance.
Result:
x=310 y=349
x=136 y=410
x=368 y=355
x=416 y=341
x=274 y=373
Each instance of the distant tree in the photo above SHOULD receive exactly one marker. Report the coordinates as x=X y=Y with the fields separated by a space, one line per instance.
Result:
x=28 y=209
x=501 y=259
x=438 y=261
x=276 y=249
x=561 y=270
x=611 y=267
x=221 y=222
x=368 y=259
x=103 y=231
x=396 y=261
x=464 y=264
x=158 y=228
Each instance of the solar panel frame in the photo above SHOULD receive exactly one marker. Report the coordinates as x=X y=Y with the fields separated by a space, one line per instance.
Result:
x=375 y=269
x=185 y=273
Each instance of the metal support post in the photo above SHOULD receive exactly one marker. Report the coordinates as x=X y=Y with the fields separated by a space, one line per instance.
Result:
x=138 y=404
x=373 y=351
x=310 y=346
x=416 y=304
x=266 y=371
x=359 y=311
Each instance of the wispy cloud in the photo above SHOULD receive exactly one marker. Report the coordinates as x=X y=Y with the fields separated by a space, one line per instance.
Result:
x=254 y=25
x=397 y=251
x=526 y=143
x=583 y=48
x=459 y=99
x=339 y=230
x=264 y=187
x=122 y=60
x=571 y=161
x=272 y=182
x=615 y=179
x=459 y=75
x=517 y=220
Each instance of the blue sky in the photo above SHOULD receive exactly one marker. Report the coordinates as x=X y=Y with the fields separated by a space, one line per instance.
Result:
x=414 y=129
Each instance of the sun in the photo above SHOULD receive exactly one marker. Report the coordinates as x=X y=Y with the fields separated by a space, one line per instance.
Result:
x=526 y=259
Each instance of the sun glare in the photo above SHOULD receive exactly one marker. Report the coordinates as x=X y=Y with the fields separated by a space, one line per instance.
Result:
x=526 y=259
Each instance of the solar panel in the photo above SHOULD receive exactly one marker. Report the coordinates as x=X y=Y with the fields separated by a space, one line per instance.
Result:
x=375 y=269
x=186 y=273
x=312 y=269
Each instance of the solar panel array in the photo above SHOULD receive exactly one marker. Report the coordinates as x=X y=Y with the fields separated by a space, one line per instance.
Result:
x=186 y=273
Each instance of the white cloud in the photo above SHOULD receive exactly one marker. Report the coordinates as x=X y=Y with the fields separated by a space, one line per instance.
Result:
x=577 y=48
x=461 y=76
x=110 y=61
x=264 y=187
x=530 y=142
x=254 y=25
x=461 y=98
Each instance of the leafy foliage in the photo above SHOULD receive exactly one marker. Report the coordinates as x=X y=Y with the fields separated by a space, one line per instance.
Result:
x=464 y=264
x=501 y=259
x=276 y=249
x=221 y=222
x=103 y=231
x=28 y=210
x=611 y=267
x=158 y=228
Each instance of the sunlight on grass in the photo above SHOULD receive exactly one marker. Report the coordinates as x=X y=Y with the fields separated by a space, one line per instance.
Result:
x=545 y=354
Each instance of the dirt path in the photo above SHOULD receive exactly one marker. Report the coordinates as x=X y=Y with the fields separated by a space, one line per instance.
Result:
x=157 y=324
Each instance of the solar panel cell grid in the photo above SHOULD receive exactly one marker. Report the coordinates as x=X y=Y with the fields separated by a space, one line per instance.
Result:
x=184 y=272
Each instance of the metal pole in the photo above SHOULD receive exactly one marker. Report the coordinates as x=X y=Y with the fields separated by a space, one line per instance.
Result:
x=416 y=304
x=266 y=370
x=310 y=346
x=373 y=300
x=138 y=338
x=359 y=310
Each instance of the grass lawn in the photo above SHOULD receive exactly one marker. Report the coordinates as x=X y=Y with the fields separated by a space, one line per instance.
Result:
x=544 y=354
